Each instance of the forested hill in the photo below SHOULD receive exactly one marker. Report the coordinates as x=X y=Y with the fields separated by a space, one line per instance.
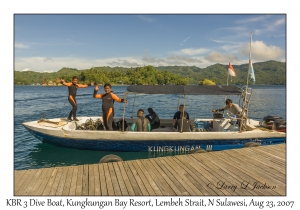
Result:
x=269 y=72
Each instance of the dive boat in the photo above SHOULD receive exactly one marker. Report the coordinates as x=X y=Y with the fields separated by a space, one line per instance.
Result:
x=217 y=133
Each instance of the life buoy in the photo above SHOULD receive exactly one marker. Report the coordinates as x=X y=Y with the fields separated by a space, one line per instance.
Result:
x=251 y=144
x=110 y=158
x=198 y=150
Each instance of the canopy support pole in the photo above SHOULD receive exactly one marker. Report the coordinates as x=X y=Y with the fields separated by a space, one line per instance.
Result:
x=182 y=114
x=177 y=108
x=123 y=117
x=133 y=106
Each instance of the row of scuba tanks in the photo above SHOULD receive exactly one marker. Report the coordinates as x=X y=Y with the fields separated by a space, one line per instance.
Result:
x=98 y=124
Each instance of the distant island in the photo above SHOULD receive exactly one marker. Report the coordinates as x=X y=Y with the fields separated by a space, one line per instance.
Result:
x=267 y=73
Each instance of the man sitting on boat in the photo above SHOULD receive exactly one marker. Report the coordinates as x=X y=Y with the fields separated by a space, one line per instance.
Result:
x=184 y=123
x=141 y=123
x=178 y=114
x=153 y=119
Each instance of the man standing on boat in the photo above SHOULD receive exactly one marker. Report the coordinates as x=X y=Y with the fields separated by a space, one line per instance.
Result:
x=108 y=99
x=72 y=87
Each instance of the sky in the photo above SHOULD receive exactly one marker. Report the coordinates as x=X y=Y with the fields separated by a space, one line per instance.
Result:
x=49 y=42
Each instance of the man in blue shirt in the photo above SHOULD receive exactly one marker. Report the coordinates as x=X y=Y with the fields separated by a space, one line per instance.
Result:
x=178 y=113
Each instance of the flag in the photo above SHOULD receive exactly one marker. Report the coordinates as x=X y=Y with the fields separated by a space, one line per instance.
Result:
x=251 y=72
x=231 y=71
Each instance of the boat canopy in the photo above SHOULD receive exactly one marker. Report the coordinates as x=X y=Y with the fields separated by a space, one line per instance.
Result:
x=185 y=89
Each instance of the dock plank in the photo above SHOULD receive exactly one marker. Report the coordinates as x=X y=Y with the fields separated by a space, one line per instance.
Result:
x=198 y=180
x=18 y=174
x=177 y=180
x=73 y=181
x=120 y=179
x=30 y=188
x=115 y=184
x=184 y=176
x=79 y=184
x=44 y=181
x=109 y=184
x=85 y=180
x=68 y=180
x=251 y=165
x=259 y=162
x=103 y=185
x=138 y=179
x=165 y=177
x=62 y=181
x=157 y=178
x=21 y=184
x=50 y=182
x=148 y=175
x=197 y=162
x=56 y=181
x=126 y=180
x=256 y=175
x=261 y=170
x=91 y=189
x=133 y=181
x=97 y=186
x=236 y=174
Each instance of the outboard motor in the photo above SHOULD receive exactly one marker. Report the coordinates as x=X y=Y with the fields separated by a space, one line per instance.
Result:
x=279 y=125
x=268 y=121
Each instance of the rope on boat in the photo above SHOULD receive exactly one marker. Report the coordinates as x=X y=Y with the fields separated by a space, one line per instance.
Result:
x=48 y=121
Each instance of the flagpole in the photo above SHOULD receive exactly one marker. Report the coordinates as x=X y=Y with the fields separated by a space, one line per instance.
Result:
x=227 y=77
x=249 y=60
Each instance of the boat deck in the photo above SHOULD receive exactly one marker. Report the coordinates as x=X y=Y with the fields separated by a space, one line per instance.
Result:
x=248 y=171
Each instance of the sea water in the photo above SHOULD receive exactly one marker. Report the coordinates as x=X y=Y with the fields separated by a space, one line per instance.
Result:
x=33 y=102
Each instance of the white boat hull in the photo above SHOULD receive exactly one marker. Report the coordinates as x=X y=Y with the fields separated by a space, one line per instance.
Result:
x=162 y=139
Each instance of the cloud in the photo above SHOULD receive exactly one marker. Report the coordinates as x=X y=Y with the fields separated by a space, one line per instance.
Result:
x=253 y=19
x=200 y=57
x=261 y=52
x=193 y=51
x=26 y=69
x=124 y=63
x=48 y=60
x=21 y=46
x=184 y=59
x=185 y=40
x=233 y=48
x=217 y=57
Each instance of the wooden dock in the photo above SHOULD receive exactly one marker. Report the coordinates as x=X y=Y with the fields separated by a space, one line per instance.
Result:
x=248 y=171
